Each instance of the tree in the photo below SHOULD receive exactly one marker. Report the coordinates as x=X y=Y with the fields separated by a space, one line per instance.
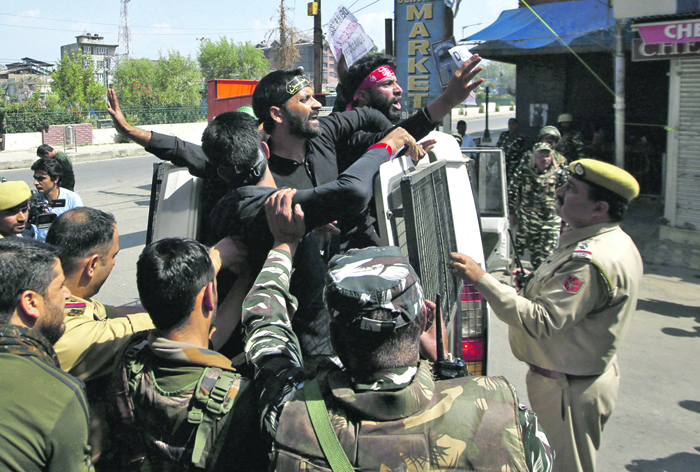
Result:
x=504 y=75
x=75 y=85
x=178 y=78
x=226 y=59
x=171 y=80
x=287 y=54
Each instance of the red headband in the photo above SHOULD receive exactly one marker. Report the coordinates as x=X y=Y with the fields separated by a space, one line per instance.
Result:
x=378 y=74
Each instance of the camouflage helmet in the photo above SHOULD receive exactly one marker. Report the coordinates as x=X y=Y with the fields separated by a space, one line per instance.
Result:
x=374 y=278
x=542 y=147
x=549 y=131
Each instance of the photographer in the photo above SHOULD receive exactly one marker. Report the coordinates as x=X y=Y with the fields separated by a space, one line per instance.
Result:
x=57 y=200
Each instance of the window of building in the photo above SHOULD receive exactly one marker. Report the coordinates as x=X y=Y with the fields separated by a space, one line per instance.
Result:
x=87 y=49
x=102 y=51
x=100 y=64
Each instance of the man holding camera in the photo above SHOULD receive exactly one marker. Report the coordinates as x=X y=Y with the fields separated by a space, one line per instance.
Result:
x=57 y=200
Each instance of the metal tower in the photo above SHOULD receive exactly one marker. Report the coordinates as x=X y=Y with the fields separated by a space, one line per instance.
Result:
x=124 y=38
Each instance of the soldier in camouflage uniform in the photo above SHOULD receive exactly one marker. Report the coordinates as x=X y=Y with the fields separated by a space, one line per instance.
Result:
x=533 y=203
x=571 y=142
x=386 y=410
x=182 y=405
x=513 y=145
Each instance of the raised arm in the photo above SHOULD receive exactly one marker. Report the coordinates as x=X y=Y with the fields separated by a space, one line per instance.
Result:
x=270 y=343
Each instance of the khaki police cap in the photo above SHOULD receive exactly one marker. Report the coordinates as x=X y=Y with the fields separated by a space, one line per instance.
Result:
x=608 y=176
x=13 y=193
x=564 y=117
x=542 y=147
x=374 y=278
x=550 y=131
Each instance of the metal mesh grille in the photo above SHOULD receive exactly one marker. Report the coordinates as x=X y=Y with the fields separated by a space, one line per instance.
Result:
x=430 y=235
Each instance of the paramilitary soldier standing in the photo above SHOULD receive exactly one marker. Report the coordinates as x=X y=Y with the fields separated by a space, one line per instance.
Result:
x=531 y=203
x=569 y=319
x=383 y=411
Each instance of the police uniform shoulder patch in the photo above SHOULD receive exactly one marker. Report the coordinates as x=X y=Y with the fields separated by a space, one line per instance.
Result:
x=75 y=308
x=582 y=251
x=573 y=284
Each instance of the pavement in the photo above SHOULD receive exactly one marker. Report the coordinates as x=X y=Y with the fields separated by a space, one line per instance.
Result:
x=25 y=158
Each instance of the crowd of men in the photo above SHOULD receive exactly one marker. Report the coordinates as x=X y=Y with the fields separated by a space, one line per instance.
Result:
x=254 y=351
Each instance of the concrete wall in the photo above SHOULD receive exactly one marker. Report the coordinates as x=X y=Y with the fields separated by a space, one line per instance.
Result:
x=30 y=141
x=23 y=141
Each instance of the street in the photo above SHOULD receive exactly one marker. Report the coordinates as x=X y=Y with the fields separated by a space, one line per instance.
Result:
x=656 y=424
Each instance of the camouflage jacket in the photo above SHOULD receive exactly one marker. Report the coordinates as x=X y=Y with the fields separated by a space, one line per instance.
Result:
x=532 y=192
x=571 y=145
x=187 y=409
x=394 y=421
x=513 y=146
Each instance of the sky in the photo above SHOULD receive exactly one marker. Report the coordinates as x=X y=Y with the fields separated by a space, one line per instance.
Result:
x=38 y=28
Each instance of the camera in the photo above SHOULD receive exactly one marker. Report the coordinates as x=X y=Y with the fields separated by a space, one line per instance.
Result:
x=39 y=214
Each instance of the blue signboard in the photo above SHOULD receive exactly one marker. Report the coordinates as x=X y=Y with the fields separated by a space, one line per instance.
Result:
x=419 y=23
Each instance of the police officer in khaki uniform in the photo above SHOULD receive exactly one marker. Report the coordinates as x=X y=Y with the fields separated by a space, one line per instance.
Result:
x=14 y=210
x=88 y=243
x=572 y=313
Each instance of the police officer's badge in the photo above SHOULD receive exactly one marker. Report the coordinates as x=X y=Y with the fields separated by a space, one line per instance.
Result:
x=573 y=284
x=579 y=169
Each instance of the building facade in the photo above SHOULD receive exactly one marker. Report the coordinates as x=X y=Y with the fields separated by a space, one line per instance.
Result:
x=305 y=47
x=103 y=55
x=22 y=79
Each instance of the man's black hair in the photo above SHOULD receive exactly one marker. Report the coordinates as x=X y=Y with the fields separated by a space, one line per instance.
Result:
x=43 y=149
x=25 y=264
x=374 y=351
x=232 y=141
x=49 y=165
x=357 y=73
x=169 y=275
x=617 y=205
x=80 y=233
x=268 y=94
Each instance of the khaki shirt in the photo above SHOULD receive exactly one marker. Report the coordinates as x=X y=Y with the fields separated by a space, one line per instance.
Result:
x=576 y=308
x=94 y=340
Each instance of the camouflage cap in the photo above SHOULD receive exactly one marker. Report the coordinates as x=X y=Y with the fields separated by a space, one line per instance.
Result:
x=13 y=193
x=542 y=147
x=549 y=131
x=364 y=280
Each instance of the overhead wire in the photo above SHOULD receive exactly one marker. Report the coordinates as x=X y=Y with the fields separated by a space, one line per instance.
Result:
x=597 y=77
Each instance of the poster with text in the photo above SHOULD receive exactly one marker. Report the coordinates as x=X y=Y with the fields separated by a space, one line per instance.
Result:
x=346 y=36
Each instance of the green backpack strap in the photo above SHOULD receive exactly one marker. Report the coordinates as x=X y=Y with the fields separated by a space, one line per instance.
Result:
x=214 y=396
x=324 y=430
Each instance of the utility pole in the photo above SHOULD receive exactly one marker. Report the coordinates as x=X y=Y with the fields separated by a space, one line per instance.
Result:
x=318 y=49
x=620 y=93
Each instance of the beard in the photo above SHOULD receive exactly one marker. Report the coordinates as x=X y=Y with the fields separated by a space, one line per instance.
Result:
x=51 y=325
x=386 y=105
x=301 y=126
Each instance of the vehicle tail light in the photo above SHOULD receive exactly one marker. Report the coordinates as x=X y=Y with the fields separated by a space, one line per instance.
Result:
x=473 y=342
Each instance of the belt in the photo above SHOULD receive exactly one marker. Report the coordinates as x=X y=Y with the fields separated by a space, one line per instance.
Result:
x=553 y=374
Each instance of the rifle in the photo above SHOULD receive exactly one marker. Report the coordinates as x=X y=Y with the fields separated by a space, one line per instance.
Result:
x=520 y=276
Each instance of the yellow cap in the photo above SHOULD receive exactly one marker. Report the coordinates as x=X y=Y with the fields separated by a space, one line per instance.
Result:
x=608 y=176
x=13 y=193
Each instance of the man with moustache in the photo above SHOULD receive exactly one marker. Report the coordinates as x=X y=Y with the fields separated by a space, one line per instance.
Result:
x=47 y=174
x=14 y=210
x=570 y=317
x=44 y=411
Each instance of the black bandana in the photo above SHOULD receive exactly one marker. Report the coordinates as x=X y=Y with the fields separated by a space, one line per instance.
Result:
x=294 y=86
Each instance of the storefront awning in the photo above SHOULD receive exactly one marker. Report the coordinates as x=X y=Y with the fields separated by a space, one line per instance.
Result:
x=580 y=23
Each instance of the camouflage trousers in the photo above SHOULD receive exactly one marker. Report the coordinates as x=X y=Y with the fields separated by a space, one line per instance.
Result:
x=538 y=236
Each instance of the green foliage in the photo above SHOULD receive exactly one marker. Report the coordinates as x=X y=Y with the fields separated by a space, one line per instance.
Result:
x=74 y=82
x=173 y=80
x=226 y=59
x=503 y=73
x=178 y=79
